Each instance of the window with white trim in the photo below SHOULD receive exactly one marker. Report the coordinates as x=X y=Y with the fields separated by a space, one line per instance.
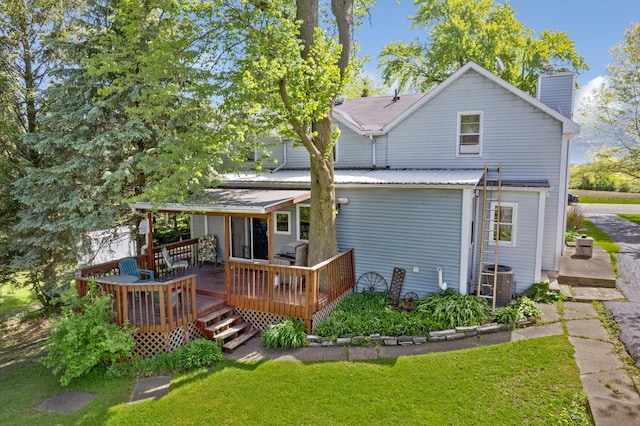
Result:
x=283 y=223
x=469 y=133
x=303 y=213
x=503 y=224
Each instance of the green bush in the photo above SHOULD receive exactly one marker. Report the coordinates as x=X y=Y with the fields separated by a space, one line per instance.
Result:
x=452 y=309
x=286 y=333
x=363 y=314
x=195 y=354
x=540 y=293
x=84 y=337
x=517 y=310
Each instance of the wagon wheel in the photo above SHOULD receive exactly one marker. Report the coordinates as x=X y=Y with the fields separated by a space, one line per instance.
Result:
x=408 y=301
x=371 y=281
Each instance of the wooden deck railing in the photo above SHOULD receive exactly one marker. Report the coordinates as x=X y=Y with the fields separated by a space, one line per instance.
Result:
x=156 y=306
x=293 y=291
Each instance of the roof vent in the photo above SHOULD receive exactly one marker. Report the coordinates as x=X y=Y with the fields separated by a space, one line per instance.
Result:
x=395 y=96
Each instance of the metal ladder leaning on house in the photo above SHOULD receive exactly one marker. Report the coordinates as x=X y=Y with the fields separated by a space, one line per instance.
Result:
x=489 y=247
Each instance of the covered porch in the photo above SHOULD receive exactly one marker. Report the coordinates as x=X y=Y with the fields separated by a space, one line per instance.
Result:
x=170 y=310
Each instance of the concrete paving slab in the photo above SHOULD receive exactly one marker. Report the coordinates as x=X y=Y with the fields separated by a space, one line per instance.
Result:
x=589 y=329
x=590 y=294
x=613 y=398
x=594 y=356
x=595 y=271
x=549 y=312
x=149 y=388
x=360 y=353
x=577 y=310
x=545 y=330
x=67 y=402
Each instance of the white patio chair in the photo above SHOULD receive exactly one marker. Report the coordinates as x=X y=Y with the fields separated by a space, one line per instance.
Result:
x=173 y=264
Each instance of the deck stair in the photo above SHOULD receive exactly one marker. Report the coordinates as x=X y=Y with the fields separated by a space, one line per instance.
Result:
x=227 y=328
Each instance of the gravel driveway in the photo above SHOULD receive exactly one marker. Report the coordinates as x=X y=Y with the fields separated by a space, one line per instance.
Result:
x=626 y=314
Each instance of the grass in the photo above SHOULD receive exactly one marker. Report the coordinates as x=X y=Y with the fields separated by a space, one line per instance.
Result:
x=12 y=299
x=635 y=218
x=606 y=197
x=533 y=381
x=526 y=382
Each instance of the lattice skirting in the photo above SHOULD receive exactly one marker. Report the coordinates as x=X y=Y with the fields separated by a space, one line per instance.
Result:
x=259 y=320
x=151 y=343
x=323 y=313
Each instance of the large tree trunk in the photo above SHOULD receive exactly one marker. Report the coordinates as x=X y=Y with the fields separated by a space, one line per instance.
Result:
x=322 y=228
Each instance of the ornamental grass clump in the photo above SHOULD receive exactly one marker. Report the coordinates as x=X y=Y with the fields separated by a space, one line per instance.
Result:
x=286 y=333
x=84 y=337
x=451 y=309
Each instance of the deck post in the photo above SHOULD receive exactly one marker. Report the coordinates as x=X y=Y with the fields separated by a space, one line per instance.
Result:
x=151 y=264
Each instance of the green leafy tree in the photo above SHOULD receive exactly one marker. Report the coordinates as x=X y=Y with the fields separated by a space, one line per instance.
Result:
x=613 y=112
x=287 y=62
x=460 y=31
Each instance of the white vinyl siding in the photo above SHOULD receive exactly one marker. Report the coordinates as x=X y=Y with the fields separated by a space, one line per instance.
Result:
x=469 y=133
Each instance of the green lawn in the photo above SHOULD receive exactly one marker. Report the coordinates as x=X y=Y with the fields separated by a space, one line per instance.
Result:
x=606 y=197
x=632 y=217
x=12 y=299
x=526 y=382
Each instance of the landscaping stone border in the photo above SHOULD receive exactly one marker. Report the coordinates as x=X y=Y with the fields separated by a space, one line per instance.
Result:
x=434 y=336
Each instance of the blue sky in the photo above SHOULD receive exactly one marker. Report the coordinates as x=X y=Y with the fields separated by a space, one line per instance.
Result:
x=594 y=26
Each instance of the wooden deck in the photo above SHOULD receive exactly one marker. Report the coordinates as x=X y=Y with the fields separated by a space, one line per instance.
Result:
x=273 y=290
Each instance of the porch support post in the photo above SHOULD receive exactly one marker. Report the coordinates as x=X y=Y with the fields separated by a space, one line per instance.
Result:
x=227 y=254
x=270 y=225
x=150 y=262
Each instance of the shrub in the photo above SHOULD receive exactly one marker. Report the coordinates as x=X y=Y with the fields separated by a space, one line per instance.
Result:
x=363 y=314
x=575 y=216
x=540 y=293
x=452 y=309
x=517 y=310
x=84 y=337
x=286 y=333
x=197 y=353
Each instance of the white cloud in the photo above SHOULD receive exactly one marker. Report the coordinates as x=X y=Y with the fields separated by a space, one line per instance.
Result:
x=583 y=94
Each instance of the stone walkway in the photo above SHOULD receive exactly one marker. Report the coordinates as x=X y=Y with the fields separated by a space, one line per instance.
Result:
x=627 y=313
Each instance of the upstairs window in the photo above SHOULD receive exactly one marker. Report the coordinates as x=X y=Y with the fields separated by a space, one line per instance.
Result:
x=469 y=133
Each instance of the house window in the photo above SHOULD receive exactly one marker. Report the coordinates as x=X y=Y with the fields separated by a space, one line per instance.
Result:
x=304 y=213
x=283 y=223
x=469 y=133
x=503 y=224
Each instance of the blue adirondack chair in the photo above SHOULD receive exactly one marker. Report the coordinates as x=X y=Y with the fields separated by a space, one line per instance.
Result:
x=129 y=266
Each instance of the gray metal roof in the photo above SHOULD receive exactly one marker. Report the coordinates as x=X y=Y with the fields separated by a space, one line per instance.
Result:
x=361 y=177
x=228 y=200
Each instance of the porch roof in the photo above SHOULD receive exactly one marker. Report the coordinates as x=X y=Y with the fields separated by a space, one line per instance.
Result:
x=453 y=178
x=231 y=200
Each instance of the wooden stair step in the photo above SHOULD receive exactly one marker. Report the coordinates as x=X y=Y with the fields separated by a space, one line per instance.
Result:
x=232 y=344
x=224 y=323
x=232 y=331
x=215 y=314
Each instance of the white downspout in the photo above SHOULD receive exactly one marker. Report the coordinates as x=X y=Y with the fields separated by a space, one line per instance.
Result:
x=373 y=142
x=442 y=285
x=284 y=149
